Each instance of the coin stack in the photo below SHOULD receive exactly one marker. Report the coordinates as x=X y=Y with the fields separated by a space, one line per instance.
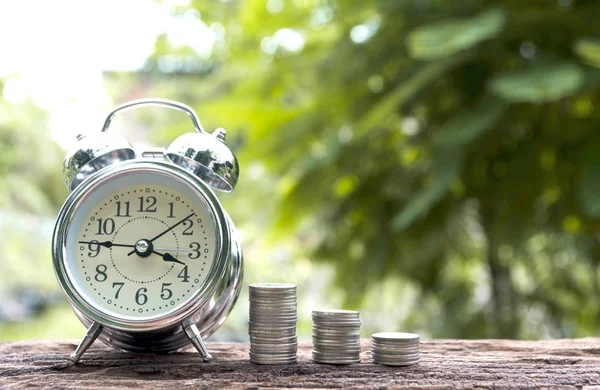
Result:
x=336 y=336
x=395 y=348
x=272 y=323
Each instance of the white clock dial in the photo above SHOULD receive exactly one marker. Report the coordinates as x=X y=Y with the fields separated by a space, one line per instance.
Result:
x=141 y=250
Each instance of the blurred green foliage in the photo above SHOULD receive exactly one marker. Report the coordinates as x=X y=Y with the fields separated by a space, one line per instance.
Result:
x=451 y=146
x=443 y=156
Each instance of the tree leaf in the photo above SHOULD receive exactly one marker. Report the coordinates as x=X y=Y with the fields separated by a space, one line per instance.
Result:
x=446 y=170
x=588 y=186
x=448 y=37
x=467 y=125
x=396 y=98
x=540 y=84
x=588 y=49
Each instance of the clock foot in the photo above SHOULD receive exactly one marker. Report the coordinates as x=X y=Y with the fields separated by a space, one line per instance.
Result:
x=192 y=332
x=92 y=334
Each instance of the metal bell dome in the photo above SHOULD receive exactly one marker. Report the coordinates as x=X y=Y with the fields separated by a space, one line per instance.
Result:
x=207 y=157
x=91 y=154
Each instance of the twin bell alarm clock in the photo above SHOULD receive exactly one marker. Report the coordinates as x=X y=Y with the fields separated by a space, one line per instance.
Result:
x=145 y=253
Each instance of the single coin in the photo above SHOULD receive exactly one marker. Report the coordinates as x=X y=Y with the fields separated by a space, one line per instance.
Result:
x=330 y=360
x=389 y=356
x=337 y=331
x=271 y=334
x=272 y=286
x=395 y=336
x=335 y=313
x=396 y=363
x=277 y=353
x=272 y=362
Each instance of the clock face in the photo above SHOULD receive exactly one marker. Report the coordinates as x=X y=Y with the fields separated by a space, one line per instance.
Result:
x=140 y=245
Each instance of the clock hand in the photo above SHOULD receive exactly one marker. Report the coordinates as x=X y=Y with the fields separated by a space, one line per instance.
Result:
x=172 y=250
x=166 y=231
x=106 y=244
x=168 y=257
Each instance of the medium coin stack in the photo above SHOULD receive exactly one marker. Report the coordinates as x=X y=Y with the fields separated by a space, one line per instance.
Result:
x=336 y=336
x=395 y=348
x=272 y=323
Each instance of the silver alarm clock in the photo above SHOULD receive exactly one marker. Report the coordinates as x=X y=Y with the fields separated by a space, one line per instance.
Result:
x=145 y=253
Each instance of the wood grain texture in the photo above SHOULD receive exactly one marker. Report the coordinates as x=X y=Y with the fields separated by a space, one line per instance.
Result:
x=444 y=364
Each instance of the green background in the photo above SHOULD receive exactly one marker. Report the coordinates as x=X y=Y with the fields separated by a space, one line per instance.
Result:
x=435 y=164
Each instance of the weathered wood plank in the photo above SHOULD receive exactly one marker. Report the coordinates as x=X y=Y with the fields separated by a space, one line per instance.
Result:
x=444 y=363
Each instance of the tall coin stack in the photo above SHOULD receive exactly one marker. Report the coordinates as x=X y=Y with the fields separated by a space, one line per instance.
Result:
x=272 y=323
x=336 y=336
x=395 y=348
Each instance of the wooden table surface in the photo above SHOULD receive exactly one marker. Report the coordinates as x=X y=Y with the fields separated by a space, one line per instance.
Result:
x=444 y=364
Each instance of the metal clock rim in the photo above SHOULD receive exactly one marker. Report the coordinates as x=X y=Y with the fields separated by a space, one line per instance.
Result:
x=204 y=291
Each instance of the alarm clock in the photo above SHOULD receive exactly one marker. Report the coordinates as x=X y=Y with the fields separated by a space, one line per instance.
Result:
x=147 y=257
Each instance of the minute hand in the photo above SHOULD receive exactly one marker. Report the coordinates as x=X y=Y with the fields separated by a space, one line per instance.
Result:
x=166 y=231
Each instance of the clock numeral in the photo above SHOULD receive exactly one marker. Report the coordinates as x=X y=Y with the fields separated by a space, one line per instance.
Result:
x=120 y=286
x=125 y=208
x=183 y=275
x=140 y=296
x=147 y=204
x=106 y=226
x=94 y=247
x=195 y=253
x=171 y=205
x=188 y=229
x=100 y=273
x=166 y=293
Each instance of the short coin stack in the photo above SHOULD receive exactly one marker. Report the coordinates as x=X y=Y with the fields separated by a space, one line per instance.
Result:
x=395 y=348
x=272 y=323
x=336 y=336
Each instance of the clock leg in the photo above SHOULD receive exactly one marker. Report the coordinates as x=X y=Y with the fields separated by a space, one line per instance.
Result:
x=192 y=332
x=91 y=335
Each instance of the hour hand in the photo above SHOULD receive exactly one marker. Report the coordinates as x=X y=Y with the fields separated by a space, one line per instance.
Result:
x=168 y=257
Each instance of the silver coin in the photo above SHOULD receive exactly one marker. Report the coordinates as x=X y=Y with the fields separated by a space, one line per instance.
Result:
x=255 y=317
x=395 y=336
x=272 y=347
x=282 y=340
x=272 y=286
x=396 y=363
x=272 y=357
x=339 y=340
x=273 y=308
x=271 y=352
x=395 y=351
x=336 y=324
x=274 y=314
x=337 y=359
x=292 y=304
x=336 y=342
x=337 y=351
x=272 y=295
x=411 y=344
x=347 y=343
x=388 y=356
x=337 y=354
x=255 y=325
x=336 y=332
x=332 y=318
x=270 y=335
x=395 y=345
x=273 y=362
x=336 y=313
x=334 y=360
x=273 y=320
x=275 y=305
